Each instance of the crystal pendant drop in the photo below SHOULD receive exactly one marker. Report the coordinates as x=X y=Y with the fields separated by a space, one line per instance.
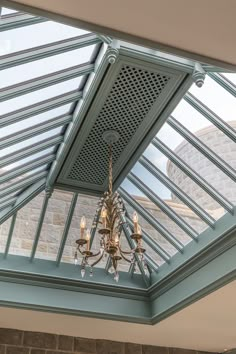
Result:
x=91 y=272
x=76 y=259
x=82 y=272
x=116 y=277
x=111 y=270
x=145 y=269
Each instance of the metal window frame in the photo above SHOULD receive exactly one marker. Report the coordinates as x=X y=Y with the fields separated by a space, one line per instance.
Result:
x=184 y=197
x=47 y=50
x=193 y=175
x=44 y=81
x=202 y=148
x=151 y=220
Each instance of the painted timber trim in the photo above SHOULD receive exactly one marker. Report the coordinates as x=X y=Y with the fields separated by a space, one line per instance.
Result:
x=210 y=270
x=74 y=303
x=59 y=290
x=46 y=273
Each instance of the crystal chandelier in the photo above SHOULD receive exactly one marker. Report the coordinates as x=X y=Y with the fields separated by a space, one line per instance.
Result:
x=111 y=218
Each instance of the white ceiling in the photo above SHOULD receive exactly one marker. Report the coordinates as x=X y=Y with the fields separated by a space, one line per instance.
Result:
x=203 y=29
x=207 y=325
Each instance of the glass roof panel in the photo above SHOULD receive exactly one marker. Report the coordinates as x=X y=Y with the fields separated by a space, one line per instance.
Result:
x=39 y=95
x=32 y=121
x=25 y=227
x=176 y=175
x=45 y=66
x=38 y=138
x=37 y=35
x=86 y=205
x=209 y=171
x=6 y=11
x=28 y=159
x=171 y=200
x=215 y=97
x=53 y=226
x=231 y=77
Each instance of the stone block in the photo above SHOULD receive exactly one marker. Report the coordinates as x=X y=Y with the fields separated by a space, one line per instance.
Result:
x=149 y=349
x=17 y=350
x=181 y=351
x=131 y=348
x=2 y=349
x=10 y=336
x=66 y=343
x=58 y=352
x=37 y=351
x=85 y=345
x=40 y=340
x=102 y=346
x=116 y=347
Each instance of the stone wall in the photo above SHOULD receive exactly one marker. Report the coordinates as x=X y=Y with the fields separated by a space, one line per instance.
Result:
x=20 y=342
x=224 y=147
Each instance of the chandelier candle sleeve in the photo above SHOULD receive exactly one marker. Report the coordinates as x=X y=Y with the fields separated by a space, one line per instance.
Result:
x=104 y=217
x=135 y=220
x=82 y=226
x=87 y=237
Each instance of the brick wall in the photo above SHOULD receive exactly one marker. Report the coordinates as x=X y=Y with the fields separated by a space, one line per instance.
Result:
x=21 y=342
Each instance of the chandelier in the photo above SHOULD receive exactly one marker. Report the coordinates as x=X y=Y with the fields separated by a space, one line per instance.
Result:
x=111 y=218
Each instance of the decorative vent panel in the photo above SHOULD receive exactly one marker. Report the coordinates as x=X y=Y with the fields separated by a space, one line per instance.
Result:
x=130 y=100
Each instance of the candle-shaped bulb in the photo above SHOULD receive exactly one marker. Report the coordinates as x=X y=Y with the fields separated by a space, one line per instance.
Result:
x=135 y=217
x=135 y=220
x=83 y=222
x=104 y=217
x=116 y=239
x=87 y=238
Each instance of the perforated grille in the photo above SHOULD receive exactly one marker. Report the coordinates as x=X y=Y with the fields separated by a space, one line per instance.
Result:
x=129 y=101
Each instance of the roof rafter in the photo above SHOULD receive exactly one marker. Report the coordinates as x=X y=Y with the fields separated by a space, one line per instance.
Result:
x=47 y=50
x=66 y=228
x=38 y=108
x=35 y=130
x=193 y=175
x=23 y=199
x=19 y=20
x=211 y=116
x=31 y=149
x=163 y=206
x=196 y=208
x=151 y=220
x=204 y=149
x=26 y=167
x=45 y=81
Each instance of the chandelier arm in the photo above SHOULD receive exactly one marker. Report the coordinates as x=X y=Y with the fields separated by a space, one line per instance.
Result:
x=126 y=259
x=98 y=260
x=125 y=252
x=80 y=251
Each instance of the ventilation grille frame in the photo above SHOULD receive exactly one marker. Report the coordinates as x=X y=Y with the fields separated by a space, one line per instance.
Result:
x=120 y=84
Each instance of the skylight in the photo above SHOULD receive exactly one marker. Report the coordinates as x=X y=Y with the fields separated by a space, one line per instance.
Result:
x=182 y=183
